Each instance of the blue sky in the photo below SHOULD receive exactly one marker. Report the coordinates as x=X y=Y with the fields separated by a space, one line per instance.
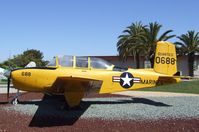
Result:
x=85 y=27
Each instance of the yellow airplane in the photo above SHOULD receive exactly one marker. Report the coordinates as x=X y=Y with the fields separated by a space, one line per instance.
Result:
x=74 y=75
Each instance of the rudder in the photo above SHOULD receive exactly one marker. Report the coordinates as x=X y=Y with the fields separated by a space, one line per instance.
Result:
x=165 y=58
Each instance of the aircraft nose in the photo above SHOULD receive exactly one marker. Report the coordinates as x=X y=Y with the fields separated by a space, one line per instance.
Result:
x=14 y=74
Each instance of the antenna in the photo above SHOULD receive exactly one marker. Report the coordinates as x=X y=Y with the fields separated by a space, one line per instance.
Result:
x=9 y=57
x=10 y=54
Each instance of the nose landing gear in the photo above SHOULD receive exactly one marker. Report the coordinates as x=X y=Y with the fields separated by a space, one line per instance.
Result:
x=15 y=99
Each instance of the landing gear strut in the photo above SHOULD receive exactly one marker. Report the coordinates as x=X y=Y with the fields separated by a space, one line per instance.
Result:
x=15 y=100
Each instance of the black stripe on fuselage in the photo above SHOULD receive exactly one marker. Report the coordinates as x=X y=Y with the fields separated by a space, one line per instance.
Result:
x=45 y=68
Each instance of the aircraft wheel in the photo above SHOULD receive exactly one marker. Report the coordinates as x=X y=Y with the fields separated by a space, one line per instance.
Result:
x=15 y=101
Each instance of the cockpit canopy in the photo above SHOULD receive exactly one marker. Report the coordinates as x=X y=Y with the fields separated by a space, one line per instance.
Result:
x=80 y=62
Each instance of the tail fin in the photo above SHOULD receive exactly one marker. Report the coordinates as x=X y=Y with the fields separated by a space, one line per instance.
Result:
x=165 y=58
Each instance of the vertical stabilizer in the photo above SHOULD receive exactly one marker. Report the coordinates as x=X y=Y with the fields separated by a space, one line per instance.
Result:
x=165 y=58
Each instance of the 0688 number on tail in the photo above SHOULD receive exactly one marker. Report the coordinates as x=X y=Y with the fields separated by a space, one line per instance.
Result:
x=165 y=60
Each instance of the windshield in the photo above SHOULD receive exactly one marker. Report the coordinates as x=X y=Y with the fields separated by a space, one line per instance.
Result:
x=66 y=61
x=52 y=62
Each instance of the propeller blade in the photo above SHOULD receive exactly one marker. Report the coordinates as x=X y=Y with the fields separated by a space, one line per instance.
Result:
x=8 y=75
x=8 y=88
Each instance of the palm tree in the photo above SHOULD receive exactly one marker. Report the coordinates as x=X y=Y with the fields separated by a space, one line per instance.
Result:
x=150 y=39
x=189 y=45
x=127 y=44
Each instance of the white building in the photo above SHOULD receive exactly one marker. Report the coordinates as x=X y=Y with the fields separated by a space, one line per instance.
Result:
x=1 y=74
x=182 y=63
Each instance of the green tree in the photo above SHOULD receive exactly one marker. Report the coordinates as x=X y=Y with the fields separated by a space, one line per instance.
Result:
x=127 y=44
x=151 y=33
x=23 y=59
x=189 y=45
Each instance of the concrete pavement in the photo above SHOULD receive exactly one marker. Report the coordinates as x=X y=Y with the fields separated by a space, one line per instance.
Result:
x=3 y=88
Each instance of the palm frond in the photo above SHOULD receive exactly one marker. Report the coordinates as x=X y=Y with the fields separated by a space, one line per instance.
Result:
x=189 y=42
x=164 y=36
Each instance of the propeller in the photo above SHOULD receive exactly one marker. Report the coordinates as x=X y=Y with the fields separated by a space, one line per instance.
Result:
x=8 y=75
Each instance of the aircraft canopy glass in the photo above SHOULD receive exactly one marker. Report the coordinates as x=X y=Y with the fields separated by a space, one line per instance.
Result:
x=81 y=62
x=99 y=63
x=66 y=61
x=52 y=62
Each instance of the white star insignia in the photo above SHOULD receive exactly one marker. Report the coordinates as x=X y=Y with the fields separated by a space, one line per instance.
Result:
x=126 y=80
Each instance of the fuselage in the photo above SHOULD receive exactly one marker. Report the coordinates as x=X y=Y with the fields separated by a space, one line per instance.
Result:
x=44 y=79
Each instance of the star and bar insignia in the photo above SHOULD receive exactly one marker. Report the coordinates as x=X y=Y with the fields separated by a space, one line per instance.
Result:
x=126 y=79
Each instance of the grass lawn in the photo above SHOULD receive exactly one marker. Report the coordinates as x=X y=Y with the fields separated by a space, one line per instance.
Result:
x=182 y=87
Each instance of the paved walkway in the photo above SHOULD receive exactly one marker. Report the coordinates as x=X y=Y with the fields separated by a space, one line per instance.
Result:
x=3 y=88
x=153 y=94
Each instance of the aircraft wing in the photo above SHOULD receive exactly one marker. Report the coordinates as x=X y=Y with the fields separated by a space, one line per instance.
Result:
x=176 y=78
x=72 y=83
